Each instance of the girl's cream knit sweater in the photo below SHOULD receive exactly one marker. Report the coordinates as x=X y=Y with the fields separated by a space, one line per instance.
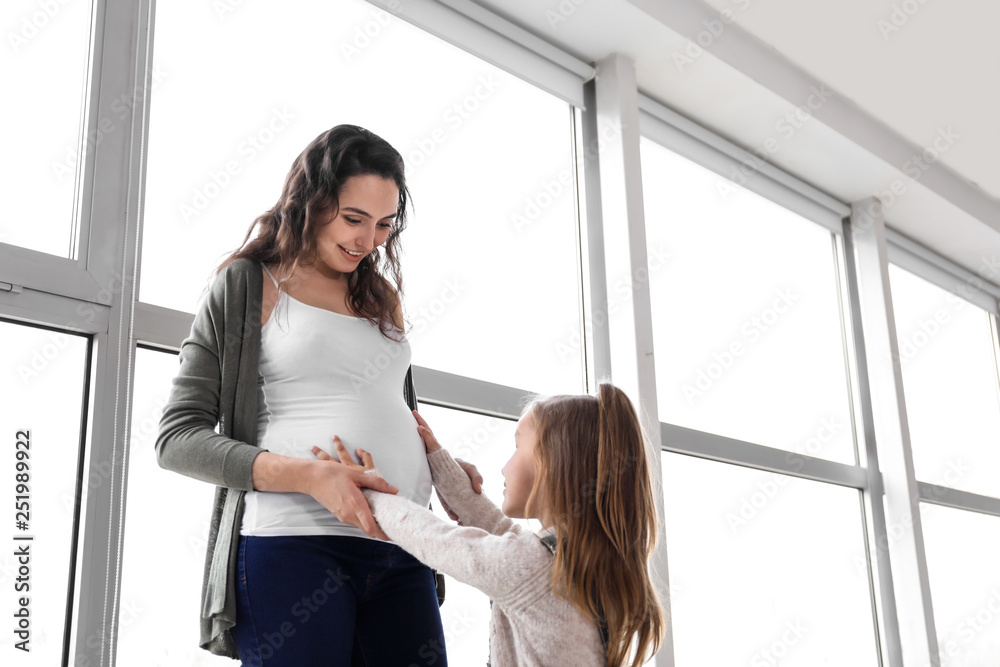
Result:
x=529 y=625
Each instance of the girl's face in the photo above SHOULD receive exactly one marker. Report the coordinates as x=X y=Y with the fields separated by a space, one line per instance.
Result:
x=367 y=212
x=519 y=471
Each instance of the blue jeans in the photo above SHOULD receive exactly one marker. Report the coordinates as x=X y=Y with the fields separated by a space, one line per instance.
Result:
x=334 y=601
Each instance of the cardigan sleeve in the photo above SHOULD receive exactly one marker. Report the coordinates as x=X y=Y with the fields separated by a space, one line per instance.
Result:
x=187 y=441
x=498 y=565
x=472 y=509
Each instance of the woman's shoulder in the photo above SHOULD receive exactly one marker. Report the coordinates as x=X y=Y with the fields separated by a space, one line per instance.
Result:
x=241 y=266
x=239 y=271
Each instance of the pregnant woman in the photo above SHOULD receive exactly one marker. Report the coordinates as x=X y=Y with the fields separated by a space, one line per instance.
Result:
x=301 y=338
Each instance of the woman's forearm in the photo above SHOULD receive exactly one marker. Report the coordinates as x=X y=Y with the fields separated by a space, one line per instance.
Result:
x=274 y=472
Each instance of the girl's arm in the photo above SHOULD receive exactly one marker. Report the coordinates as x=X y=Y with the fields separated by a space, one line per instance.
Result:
x=472 y=509
x=498 y=565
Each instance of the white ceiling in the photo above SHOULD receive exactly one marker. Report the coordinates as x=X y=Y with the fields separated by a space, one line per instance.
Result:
x=894 y=91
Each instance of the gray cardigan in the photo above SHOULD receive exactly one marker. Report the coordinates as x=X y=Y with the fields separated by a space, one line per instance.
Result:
x=217 y=385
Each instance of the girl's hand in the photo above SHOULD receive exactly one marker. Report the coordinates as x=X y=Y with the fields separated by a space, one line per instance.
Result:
x=432 y=445
x=430 y=442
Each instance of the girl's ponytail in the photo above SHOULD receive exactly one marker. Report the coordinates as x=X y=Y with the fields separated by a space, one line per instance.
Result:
x=624 y=488
x=597 y=489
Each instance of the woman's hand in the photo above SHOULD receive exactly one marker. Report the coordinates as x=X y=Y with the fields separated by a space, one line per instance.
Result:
x=367 y=464
x=337 y=487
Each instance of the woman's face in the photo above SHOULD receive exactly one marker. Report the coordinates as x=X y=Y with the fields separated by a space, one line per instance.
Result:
x=366 y=216
x=519 y=471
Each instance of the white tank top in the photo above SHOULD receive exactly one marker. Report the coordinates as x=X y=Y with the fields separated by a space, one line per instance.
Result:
x=322 y=374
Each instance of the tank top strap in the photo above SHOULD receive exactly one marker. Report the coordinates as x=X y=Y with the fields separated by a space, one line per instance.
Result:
x=270 y=274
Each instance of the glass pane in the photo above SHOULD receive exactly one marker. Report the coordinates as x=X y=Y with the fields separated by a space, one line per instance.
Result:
x=487 y=442
x=963 y=549
x=778 y=562
x=948 y=360
x=44 y=65
x=746 y=317
x=42 y=376
x=164 y=553
x=472 y=249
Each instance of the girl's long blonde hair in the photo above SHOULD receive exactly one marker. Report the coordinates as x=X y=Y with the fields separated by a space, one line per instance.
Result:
x=593 y=481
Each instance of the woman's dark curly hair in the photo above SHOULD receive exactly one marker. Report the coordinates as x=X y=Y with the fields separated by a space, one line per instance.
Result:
x=288 y=230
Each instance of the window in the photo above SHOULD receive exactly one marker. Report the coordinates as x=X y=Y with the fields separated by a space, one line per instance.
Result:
x=746 y=316
x=166 y=528
x=963 y=549
x=948 y=360
x=774 y=564
x=486 y=442
x=43 y=63
x=42 y=393
x=490 y=267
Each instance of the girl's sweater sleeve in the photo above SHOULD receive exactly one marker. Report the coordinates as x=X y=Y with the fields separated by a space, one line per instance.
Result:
x=473 y=509
x=499 y=564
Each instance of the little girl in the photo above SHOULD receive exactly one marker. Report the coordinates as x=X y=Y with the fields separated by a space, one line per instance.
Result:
x=577 y=593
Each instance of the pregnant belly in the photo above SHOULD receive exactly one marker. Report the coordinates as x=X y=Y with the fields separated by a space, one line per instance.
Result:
x=385 y=429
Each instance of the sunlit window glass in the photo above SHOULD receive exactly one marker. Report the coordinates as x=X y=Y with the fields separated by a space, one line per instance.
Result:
x=963 y=549
x=490 y=264
x=42 y=390
x=948 y=360
x=746 y=318
x=42 y=71
x=777 y=564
